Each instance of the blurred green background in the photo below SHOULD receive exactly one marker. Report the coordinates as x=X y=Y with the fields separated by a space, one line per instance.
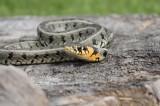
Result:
x=78 y=7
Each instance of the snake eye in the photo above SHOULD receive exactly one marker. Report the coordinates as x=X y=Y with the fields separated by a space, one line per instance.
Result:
x=105 y=53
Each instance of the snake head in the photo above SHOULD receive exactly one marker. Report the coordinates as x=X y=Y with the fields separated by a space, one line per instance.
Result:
x=86 y=53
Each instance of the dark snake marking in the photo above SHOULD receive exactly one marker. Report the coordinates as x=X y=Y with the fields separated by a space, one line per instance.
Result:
x=72 y=37
x=51 y=39
x=24 y=56
x=10 y=55
x=94 y=41
x=85 y=49
x=63 y=39
x=94 y=52
x=79 y=49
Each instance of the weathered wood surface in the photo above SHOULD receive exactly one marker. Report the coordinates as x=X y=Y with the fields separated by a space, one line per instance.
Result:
x=130 y=75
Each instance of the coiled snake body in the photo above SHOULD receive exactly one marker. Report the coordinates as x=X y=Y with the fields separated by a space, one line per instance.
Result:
x=59 y=40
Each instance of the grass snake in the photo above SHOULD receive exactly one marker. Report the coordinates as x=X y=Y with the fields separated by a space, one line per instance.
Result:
x=59 y=40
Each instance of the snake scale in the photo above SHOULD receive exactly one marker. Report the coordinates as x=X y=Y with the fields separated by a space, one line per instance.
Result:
x=59 y=40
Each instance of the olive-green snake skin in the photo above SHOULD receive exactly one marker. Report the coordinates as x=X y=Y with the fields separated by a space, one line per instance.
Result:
x=57 y=41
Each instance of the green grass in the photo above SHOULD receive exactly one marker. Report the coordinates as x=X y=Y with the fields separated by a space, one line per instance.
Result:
x=78 y=7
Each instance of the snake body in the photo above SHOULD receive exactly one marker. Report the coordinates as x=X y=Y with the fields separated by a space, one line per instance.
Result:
x=57 y=41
